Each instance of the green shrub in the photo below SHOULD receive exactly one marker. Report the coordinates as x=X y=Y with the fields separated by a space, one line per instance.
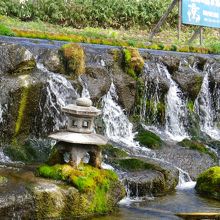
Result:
x=82 y=13
x=5 y=30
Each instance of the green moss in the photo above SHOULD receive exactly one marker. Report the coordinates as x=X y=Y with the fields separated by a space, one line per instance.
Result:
x=190 y=106
x=133 y=62
x=148 y=139
x=74 y=59
x=24 y=68
x=114 y=152
x=22 y=106
x=133 y=164
x=85 y=178
x=195 y=145
x=3 y=180
x=208 y=183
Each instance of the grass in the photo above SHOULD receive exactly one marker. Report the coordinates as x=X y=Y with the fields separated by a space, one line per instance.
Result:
x=164 y=40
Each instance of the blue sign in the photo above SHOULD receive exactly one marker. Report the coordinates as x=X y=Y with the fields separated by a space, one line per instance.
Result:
x=201 y=12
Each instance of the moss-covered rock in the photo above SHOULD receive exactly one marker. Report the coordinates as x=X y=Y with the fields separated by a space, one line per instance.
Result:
x=16 y=60
x=113 y=152
x=96 y=191
x=148 y=139
x=196 y=145
x=146 y=177
x=74 y=59
x=208 y=183
x=133 y=164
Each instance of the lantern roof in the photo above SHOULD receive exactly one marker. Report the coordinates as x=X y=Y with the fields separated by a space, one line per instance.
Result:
x=83 y=107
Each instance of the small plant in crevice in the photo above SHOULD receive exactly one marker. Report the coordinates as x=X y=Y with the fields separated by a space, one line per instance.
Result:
x=133 y=62
x=74 y=59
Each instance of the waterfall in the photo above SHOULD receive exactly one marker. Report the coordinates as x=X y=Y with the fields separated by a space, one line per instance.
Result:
x=185 y=182
x=118 y=127
x=204 y=108
x=3 y=109
x=85 y=91
x=59 y=92
x=176 y=111
x=151 y=96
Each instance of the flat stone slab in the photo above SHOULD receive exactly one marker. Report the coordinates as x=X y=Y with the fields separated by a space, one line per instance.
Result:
x=79 y=138
x=199 y=215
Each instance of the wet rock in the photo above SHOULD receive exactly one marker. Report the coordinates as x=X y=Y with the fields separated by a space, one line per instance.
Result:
x=15 y=60
x=30 y=197
x=147 y=177
x=51 y=59
x=98 y=81
x=126 y=90
x=191 y=161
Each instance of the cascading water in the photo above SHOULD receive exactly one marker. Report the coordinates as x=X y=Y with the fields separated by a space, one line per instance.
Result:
x=85 y=91
x=176 y=112
x=118 y=127
x=175 y=104
x=60 y=92
x=204 y=108
x=151 y=95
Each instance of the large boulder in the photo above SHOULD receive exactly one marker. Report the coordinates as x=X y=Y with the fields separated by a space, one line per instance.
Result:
x=192 y=160
x=30 y=197
x=15 y=59
x=208 y=183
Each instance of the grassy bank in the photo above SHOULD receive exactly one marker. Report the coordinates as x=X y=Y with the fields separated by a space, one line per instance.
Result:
x=165 y=40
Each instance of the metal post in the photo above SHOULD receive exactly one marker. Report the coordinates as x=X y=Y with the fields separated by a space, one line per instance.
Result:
x=179 y=18
x=162 y=19
x=201 y=35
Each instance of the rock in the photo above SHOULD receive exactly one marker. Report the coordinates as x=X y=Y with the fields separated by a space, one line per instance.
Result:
x=15 y=60
x=208 y=183
x=30 y=197
x=126 y=90
x=52 y=61
x=98 y=81
x=192 y=161
x=146 y=177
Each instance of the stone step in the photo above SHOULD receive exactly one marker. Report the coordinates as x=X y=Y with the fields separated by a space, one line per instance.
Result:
x=199 y=216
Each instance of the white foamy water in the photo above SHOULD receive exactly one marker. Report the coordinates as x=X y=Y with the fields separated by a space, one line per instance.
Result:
x=204 y=108
x=176 y=111
x=4 y=158
x=118 y=127
x=185 y=182
x=60 y=93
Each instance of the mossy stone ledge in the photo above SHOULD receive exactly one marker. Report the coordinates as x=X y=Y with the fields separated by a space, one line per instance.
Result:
x=196 y=145
x=208 y=183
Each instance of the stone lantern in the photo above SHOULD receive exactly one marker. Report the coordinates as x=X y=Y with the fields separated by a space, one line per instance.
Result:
x=79 y=137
